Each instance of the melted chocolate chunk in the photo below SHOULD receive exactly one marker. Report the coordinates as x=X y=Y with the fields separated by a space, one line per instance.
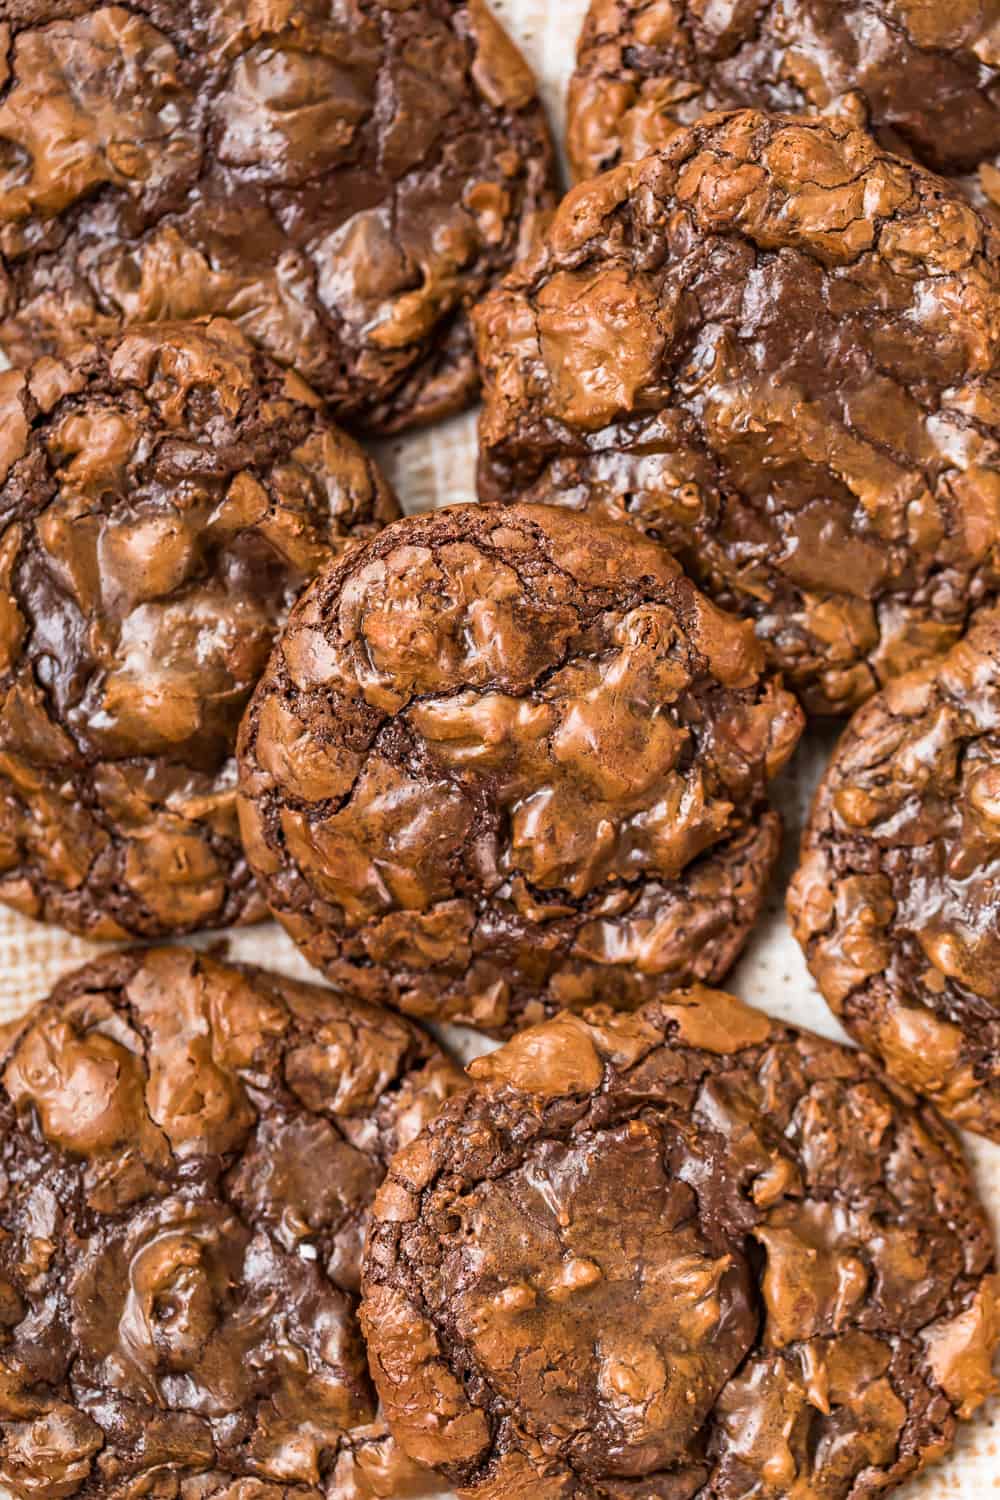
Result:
x=685 y=1254
x=896 y=899
x=342 y=177
x=188 y=1156
x=773 y=345
x=507 y=759
x=163 y=499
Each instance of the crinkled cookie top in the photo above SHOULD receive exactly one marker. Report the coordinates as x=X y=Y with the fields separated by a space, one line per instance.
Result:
x=189 y=1153
x=505 y=758
x=922 y=74
x=895 y=900
x=774 y=345
x=690 y=1253
x=341 y=177
x=163 y=499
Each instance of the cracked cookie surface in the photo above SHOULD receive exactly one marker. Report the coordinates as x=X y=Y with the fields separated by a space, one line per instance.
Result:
x=895 y=899
x=688 y=1253
x=189 y=1156
x=505 y=758
x=923 y=77
x=774 y=346
x=341 y=177
x=163 y=499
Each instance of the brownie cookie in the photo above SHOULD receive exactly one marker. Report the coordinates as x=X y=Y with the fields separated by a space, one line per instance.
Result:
x=895 y=900
x=684 y=1253
x=925 y=77
x=341 y=177
x=190 y=1152
x=162 y=501
x=505 y=759
x=774 y=346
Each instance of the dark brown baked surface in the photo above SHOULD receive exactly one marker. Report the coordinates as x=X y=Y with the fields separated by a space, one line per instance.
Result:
x=162 y=501
x=773 y=345
x=689 y=1252
x=924 y=75
x=189 y=1154
x=895 y=899
x=505 y=759
x=342 y=177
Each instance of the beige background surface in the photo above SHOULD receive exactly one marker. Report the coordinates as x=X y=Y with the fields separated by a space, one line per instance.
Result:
x=437 y=468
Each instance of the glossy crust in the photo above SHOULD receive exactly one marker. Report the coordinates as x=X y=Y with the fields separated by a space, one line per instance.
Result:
x=342 y=177
x=685 y=1253
x=162 y=501
x=922 y=75
x=775 y=346
x=895 y=900
x=505 y=758
x=190 y=1153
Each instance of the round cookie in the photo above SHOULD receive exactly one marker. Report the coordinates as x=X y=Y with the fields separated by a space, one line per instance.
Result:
x=162 y=501
x=505 y=758
x=774 y=346
x=341 y=177
x=689 y=1252
x=190 y=1152
x=894 y=901
x=923 y=76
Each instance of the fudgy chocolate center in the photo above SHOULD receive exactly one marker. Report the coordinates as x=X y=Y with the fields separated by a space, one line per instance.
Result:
x=610 y=1334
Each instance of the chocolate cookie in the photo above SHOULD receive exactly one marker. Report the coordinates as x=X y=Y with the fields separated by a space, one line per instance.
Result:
x=924 y=76
x=342 y=177
x=190 y=1152
x=162 y=501
x=895 y=900
x=684 y=1253
x=504 y=759
x=773 y=345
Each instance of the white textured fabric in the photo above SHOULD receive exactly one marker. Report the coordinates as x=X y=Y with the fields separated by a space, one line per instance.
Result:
x=438 y=468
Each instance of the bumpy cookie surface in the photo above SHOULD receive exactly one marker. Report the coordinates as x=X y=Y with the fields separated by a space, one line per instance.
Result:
x=684 y=1253
x=775 y=346
x=162 y=501
x=340 y=176
x=924 y=76
x=895 y=900
x=190 y=1152
x=504 y=757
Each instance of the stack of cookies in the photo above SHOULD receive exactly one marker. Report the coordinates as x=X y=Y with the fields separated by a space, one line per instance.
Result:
x=506 y=765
